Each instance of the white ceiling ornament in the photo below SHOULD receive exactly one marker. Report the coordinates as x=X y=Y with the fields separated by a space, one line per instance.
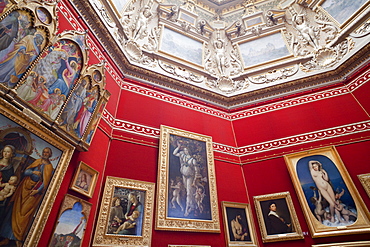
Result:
x=212 y=49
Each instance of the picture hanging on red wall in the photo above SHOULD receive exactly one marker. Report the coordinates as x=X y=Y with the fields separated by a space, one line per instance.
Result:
x=84 y=179
x=126 y=212
x=70 y=227
x=277 y=218
x=365 y=181
x=239 y=226
x=186 y=192
x=33 y=162
x=329 y=200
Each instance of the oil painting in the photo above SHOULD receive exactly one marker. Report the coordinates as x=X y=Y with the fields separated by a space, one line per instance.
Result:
x=277 y=218
x=126 y=212
x=187 y=182
x=329 y=199
x=32 y=165
x=84 y=179
x=70 y=227
x=239 y=226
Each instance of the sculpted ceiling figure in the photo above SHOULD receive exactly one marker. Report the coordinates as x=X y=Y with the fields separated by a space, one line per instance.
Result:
x=247 y=44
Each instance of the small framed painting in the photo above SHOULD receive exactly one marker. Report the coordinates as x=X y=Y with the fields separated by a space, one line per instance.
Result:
x=70 y=228
x=126 y=212
x=84 y=179
x=238 y=222
x=277 y=218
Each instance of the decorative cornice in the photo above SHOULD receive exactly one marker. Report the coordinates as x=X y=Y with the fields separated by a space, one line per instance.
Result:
x=121 y=63
x=352 y=86
x=289 y=141
x=305 y=138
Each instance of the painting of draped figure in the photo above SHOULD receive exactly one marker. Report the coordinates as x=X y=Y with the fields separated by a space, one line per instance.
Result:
x=30 y=158
x=187 y=186
x=20 y=44
x=49 y=83
x=80 y=107
x=329 y=199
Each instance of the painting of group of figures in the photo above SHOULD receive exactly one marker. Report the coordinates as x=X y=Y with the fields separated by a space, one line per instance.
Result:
x=49 y=72
x=20 y=44
x=28 y=164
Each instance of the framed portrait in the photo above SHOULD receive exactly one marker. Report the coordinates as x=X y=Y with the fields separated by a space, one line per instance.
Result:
x=84 y=179
x=277 y=218
x=34 y=161
x=238 y=223
x=345 y=244
x=186 y=183
x=365 y=181
x=328 y=197
x=72 y=219
x=126 y=212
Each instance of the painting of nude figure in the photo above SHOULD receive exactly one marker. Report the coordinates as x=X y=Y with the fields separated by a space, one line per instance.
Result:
x=329 y=200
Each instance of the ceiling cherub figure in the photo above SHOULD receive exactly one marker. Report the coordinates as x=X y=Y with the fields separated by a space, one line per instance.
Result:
x=301 y=24
x=142 y=21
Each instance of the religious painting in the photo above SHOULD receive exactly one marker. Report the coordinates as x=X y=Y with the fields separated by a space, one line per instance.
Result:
x=264 y=49
x=342 y=10
x=33 y=161
x=83 y=108
x=20 y=44
x=329 y=199
x=238 y=224
x=47 y=86
x=186 y=193
x=5 y=5
x=277 y=218
x=126 y=213
x=181 y=46
x=365 y=181
x=71 y=224
x=84 y=179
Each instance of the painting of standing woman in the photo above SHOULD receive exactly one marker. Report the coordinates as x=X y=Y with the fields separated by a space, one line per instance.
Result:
x=326 y=192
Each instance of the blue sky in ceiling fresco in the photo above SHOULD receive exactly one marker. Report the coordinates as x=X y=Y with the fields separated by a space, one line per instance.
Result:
x=263 y=49
x=181 y=46
x=341 y=10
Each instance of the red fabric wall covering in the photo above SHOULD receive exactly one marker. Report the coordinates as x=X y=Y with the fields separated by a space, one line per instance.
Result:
x=118 y=155
x=152 y=112
x=317 y=115
x=354 y=157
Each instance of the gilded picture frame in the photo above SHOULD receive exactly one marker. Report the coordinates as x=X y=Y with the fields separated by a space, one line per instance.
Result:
x=32 y=148
x=84 y=179
x=330 y=202
x=365 y=181
x=277 y=217
x=126 y=213
x=73 y=216
x=238 y=224
x=182 y=153
x=345 y=244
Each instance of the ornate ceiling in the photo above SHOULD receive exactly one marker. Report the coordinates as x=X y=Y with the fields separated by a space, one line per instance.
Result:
x=232 y=53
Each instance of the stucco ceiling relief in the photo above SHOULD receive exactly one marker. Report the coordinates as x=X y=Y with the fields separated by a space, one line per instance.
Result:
x=257 y=45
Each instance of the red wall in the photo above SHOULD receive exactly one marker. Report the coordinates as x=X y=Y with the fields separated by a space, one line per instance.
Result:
x=119 y=153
